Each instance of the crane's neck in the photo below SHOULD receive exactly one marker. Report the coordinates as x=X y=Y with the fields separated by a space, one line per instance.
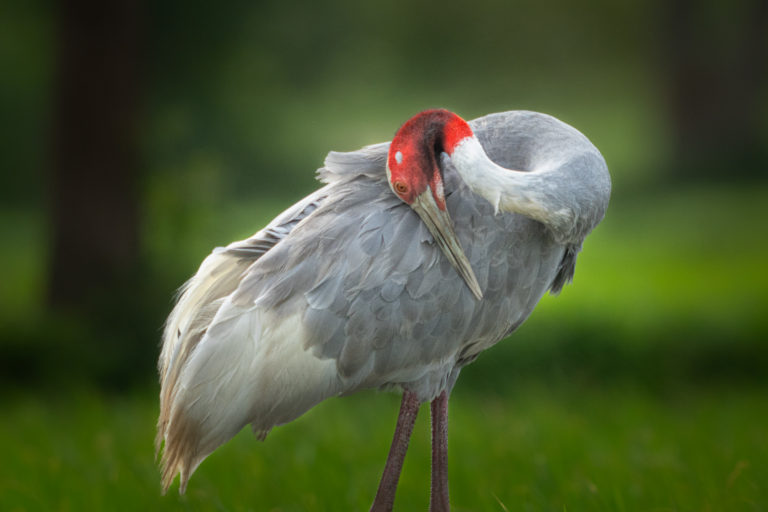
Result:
x=533 y=194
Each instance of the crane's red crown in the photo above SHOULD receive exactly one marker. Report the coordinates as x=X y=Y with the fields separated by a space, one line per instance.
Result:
x=412 y=162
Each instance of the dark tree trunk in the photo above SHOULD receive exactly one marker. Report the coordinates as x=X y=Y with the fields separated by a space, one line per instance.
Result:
x=93 y=195
x=715 y=57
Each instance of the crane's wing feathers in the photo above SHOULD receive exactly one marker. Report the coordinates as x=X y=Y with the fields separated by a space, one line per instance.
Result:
x=373 y=289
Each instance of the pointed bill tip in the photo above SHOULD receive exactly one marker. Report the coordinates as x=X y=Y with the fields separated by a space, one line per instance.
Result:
x=440 y=225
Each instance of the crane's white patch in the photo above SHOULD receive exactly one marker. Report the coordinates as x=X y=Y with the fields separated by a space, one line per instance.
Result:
x=399 y=157
x=440 y=192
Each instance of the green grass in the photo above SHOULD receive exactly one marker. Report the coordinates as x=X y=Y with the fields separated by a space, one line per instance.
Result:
x=531 y=447
x=642 y=387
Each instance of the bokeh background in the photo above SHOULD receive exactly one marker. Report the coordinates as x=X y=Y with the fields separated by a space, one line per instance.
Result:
x=136 y=136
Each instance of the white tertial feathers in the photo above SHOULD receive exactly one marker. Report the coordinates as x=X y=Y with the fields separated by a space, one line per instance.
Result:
x=250 y=367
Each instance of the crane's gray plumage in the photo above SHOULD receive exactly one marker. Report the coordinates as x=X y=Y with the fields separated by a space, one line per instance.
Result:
x=350 y=291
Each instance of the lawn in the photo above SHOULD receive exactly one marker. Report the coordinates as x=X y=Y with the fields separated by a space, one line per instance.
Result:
x=531 y=447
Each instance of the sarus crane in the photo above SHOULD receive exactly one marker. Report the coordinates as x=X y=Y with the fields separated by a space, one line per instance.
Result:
x=413 y=258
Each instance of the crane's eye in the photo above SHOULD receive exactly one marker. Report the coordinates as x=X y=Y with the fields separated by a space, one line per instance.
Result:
x=401 y=187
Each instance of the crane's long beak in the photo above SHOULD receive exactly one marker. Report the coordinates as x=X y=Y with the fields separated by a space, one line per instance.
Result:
x=440 y=225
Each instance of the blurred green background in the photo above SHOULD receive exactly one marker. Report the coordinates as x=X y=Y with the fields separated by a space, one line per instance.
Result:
x=137 y=136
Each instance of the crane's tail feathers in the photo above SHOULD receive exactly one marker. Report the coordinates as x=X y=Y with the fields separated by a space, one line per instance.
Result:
x=260 y=433
x=180 y=455
x=198 y=302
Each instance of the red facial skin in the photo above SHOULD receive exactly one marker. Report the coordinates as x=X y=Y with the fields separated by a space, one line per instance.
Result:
x=420 y=141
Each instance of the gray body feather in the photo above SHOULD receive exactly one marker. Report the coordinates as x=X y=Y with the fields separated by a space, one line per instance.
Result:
x=375 y=296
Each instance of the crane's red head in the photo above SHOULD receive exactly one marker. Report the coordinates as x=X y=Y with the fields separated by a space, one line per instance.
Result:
x=416 y=178
x=412 y=163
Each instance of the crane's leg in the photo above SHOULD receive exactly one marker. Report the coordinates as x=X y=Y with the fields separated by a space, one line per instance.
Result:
x=385 y=496
x=438 y=499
